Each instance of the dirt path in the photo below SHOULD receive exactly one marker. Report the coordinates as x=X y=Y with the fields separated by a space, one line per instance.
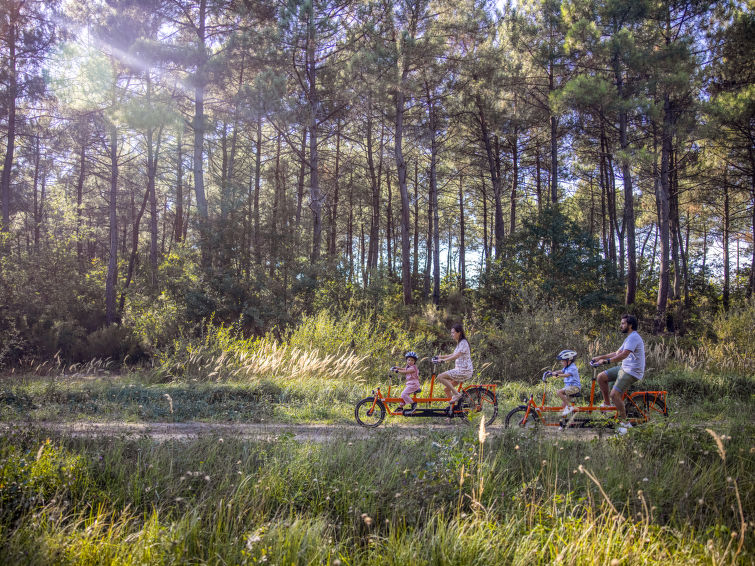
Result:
x=262 y=431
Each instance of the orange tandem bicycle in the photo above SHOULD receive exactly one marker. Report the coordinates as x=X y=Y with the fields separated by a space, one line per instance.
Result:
x=641 y=407
x=477 y=399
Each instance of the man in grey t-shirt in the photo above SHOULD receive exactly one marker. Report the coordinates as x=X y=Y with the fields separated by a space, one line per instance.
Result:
x=632 y=358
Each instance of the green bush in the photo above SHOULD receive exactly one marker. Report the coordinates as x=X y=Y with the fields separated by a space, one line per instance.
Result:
x=115 y=342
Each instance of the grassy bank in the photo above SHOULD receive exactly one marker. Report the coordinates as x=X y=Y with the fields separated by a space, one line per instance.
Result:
x=680 y=496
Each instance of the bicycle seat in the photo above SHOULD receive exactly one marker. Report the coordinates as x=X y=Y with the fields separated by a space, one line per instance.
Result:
x=578 y=395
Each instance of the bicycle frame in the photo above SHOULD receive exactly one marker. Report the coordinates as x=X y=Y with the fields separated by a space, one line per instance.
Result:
x=386 y=399
x=478 y=400
x=639 y=405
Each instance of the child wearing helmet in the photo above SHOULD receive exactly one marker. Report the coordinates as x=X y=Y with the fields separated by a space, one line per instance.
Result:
x=570 y=373
x=412 y=382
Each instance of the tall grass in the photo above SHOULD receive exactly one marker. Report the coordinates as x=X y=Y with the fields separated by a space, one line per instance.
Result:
x=683 y=498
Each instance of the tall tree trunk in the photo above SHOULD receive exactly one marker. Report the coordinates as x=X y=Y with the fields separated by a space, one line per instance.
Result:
x=538 y=180
x=462 y=258
x=436 y=219
x=485 y=248
x=199 y=125
x=153 y=154
x=178 y=228
x=515 y=178
x=37 y=205
x=12 y=93
x=350 y=232
x=429 y=245
x=663 y=216
x=314 y=113
x=389 y=224
x=554 y=159
x=373 y=252
x=80 y=199
x=275 y=213
x=676 y=284
x=629 y=220
x=751 y=287
x=415 y=268
x=336 y=187
x=725 y=243
x=112 y=267
x=401 y=174
x=257 y=184
x=302 y=174
x=134 y=248
x=492 y=157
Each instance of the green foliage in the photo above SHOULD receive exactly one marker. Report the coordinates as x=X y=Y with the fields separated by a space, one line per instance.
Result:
x=524 y=343
x=114 y=342
x=733 y=334
x=556 y=259
x=30 y=481
x=445 y=498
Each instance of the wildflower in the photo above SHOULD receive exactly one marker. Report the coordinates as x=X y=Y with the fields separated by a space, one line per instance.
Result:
x=367 y=519
x=587 y=458
x=681 y=461
x=220 y=440
x=700 y=501
x=336 y=562
x=207 y=478
x=516 y=447
x=251 y=539
x=645 y=479
x=615 y=562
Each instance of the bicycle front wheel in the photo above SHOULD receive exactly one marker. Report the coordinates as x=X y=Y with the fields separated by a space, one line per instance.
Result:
x=483 y=404
x=369 y=412
x=519 y=418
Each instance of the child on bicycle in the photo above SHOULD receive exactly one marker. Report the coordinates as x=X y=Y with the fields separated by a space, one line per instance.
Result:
x=412 y=383
x=570 y=373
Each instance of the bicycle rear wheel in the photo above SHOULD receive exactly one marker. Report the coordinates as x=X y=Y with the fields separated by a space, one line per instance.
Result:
x=367 y=415
x=483 y=404
x=656 y=407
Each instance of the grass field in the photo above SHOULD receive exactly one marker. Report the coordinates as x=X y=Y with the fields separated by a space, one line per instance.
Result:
x=681 y=496
x=675 y=493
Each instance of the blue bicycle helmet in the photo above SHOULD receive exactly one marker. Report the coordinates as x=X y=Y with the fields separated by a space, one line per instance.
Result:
x=411 y=354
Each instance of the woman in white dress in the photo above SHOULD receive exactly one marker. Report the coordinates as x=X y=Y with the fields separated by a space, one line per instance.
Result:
x=463 y=368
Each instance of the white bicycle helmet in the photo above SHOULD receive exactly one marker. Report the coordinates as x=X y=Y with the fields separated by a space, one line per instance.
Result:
x=569 y=355
x=411 y=355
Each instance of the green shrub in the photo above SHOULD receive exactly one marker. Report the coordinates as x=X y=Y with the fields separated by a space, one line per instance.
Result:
x=115 y=342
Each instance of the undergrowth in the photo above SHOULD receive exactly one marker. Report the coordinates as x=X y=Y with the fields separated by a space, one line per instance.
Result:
x=682 y=497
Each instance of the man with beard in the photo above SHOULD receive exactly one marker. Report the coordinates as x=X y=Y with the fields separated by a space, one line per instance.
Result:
x=632 y=358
